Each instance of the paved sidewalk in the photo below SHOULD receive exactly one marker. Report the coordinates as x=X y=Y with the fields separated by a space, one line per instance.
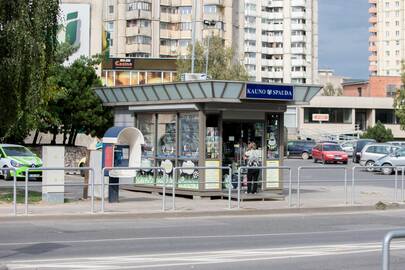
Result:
x=312 y=197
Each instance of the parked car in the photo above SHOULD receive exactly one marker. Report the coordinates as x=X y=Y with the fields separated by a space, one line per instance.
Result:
x=348 y=147
x=385 y=163
x=329 y=152
x=300 y=148
x=359 y=147
x=372 y=152
x=19 y=158
x=399 y=143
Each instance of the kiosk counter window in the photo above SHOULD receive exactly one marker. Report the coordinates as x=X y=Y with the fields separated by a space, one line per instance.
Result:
x=166 y=136
x=146 y=124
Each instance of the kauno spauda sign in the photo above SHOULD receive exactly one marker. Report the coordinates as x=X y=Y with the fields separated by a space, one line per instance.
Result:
x=268 y=91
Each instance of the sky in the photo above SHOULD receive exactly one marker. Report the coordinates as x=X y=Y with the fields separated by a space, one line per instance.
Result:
x=343 y=37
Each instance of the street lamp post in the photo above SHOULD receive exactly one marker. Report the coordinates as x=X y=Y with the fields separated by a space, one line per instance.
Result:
x=208 y=23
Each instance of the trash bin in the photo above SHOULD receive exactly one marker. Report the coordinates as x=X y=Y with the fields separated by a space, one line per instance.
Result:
x=114 y=190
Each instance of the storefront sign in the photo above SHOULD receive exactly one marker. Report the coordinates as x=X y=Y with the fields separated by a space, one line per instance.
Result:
x=273 y=175
x=212 y=176
x=321 y=117
x=267 y=91
x=123 y=63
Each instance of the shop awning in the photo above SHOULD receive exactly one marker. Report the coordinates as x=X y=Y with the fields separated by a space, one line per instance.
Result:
x=207 y=91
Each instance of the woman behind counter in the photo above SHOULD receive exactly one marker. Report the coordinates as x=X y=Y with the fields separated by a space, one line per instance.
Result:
x=253 y=160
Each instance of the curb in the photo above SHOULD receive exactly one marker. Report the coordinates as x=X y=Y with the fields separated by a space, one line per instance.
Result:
x=190 y=214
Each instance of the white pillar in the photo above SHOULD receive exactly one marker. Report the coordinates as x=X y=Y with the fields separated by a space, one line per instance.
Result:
x=53 y=156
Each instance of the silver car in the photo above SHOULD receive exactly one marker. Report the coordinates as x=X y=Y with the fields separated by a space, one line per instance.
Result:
x=374 y=151
x=348 y=147
x=386 y=163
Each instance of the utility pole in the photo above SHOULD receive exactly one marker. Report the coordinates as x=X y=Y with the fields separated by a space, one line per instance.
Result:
x=208 y=23
x=193 y=35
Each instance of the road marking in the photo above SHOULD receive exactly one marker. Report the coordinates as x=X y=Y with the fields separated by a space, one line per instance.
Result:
x=201 y=258
x=181 y=237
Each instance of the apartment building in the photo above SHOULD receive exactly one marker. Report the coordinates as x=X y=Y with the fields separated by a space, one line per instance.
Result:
x=280 y=41
x=163 y=28
x=387 y=34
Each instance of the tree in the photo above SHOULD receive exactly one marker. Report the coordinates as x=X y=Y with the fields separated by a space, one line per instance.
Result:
x=28 y=31
x=330 y=90
x=76 y=108
x=399 y=101
x=378 y=133
x=222 y=63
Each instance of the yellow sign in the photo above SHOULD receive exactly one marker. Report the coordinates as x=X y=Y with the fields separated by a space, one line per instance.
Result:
x=273 y=175
x=212 y=176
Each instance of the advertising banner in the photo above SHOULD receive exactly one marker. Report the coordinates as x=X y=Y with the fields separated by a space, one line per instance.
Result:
x=270 y=92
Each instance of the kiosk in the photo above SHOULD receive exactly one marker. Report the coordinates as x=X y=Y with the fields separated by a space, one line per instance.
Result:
x=206 y=123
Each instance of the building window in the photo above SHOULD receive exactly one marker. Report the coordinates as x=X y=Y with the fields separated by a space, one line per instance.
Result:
x=250 y=6
x=185 y=10
x=138 y=55
x=184 y=42
x=139 y=5
x=391 y=90
x=185 y=26
x=336 y=115
x=139 y=23
x=386 y=116
x=110 y=9
x=138 y=40
x=110 y=26
x=209 y=9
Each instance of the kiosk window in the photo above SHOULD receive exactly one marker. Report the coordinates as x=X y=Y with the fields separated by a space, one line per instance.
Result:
x=166 y=135
x=147 y=127
x=189 y=135
x=212 y=137
x=272 y=136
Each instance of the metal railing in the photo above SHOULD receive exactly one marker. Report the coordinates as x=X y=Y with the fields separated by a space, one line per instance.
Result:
x=155 y=169
x=175 y=181
x=395 y=170
x=58 y=185
x=319 y=181
x=386 y=246
x=14 y=187
x=265 y=180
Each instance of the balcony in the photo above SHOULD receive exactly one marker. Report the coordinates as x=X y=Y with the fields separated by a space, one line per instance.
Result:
x=138 y=14
x=272 y=62
x=298 y=62
x=273 y=74
x=298 y=26
x=133 y=48
x=136 y=30
x=214 y=2
x=250 y=61
x=168 y=50
x=273 y=15
x=298 y=3
x=372 y=29
x=372 y=68
x=298 y=74
x=249 y=36
x=213 y=17
x=276 y=3
x=372 y=1
x=273 y=27
x=298 y=38
x=298 y=15
x=372 y=38
x=372 y=58
x=372 y=19
x=372 y=48
x=250 y=48
x=266 y=38
x=185 y=34
x=251 y=12
x=272 y=50
x=372 y=10
x=298 y=50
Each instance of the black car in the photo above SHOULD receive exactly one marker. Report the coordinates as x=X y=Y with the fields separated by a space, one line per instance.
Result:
x=300 y=148
x=359 y=147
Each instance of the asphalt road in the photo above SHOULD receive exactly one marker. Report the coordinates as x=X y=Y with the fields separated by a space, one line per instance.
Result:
x=332 y=241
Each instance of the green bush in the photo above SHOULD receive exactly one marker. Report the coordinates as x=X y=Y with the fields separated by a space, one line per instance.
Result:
x=378 y=133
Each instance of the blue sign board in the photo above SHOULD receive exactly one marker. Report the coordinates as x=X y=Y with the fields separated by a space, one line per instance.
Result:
x=268 y=91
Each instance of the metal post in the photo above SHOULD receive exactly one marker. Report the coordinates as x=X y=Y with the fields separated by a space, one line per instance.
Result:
x=402 y=185
x=193 y=35
x=207 y=56
x=230 y=188
x=92 y=190
x=298 y=188
x=102 y=190
x=396 y=185
x=386 y=247
x=164 y=192
x=26 y=192
x=345 y=186
x=239 y=184
x=174 y=189
x=290 y=189
x=15 y=193
x=353 y=172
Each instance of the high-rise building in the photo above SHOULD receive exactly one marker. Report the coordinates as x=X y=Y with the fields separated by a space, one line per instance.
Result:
x=387 y=34
x=163 y=28
x=280 y=40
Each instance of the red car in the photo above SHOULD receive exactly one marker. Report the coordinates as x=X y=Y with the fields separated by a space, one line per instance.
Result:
x=329 y=152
